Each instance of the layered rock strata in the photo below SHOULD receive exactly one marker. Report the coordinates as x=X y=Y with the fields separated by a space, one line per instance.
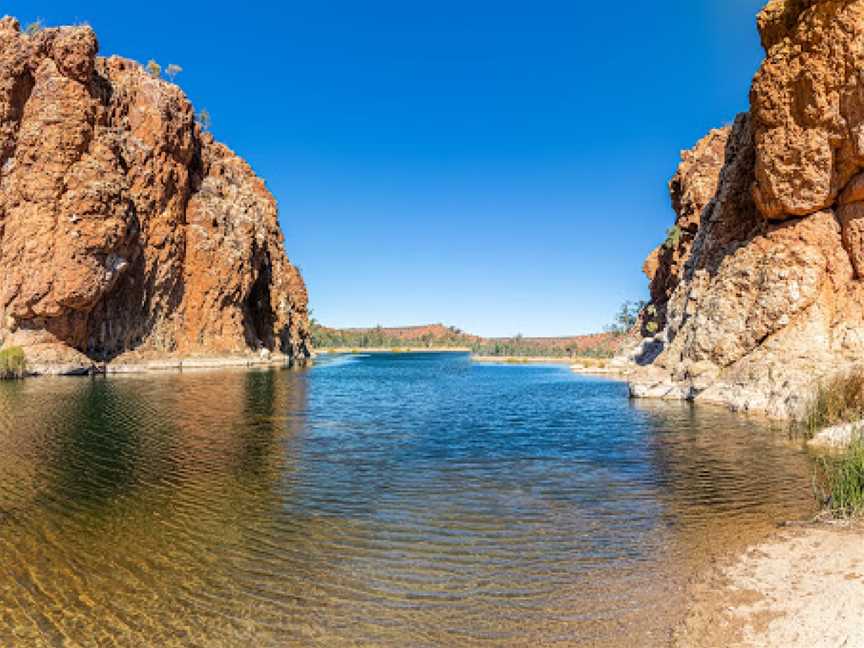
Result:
x=125 y=230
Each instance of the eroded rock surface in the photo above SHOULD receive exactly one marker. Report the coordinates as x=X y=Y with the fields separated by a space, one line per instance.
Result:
x=692 y=188
x=123 y=227
x=768 y=297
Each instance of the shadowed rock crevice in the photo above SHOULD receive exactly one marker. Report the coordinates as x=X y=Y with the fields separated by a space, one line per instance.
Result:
x=259 y=317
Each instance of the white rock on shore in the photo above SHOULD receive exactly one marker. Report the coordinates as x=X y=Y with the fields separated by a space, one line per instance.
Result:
x=838 y=436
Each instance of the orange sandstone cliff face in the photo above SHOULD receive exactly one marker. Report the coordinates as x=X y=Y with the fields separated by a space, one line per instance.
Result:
x=765 y=294
x=124 y=229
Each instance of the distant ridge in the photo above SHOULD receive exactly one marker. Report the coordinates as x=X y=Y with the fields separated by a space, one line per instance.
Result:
x=440 y=335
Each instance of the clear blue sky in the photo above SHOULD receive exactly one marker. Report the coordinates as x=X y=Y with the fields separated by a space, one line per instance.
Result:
x=500 y=166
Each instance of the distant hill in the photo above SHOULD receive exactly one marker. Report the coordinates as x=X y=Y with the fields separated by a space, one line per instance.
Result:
x=601 y=345
x=433 y=331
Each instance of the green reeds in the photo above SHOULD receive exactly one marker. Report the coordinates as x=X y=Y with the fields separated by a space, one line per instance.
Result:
x=843 y=481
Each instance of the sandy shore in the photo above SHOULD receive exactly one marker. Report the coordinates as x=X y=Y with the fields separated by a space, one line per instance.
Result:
x=521 y=360
x=593 y=366
x=597 y=366
x=390 y=350
x=804 y=588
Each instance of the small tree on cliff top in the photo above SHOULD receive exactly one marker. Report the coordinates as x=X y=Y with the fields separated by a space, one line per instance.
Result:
x=34 y=27
x=154 y=69
x=204 y=119
x=173 y=70
x=627 y=317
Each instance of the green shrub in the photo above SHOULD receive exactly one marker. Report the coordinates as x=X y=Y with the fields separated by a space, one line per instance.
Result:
x=154 y=69
x=843 y=479
x=12 y=363
x=173 y=70
x=204 y=119
x=673 y=237
x=840 y=400
x=652 y=327
x=34 y=27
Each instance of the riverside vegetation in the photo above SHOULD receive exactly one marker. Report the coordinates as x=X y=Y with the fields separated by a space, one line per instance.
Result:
x=843 y=477
x=837 y=401
x=594 y=346
x=438 y=336
x=12 y=363
x=839 y=482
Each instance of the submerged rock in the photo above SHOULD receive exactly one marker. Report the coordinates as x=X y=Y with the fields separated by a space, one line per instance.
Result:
x=123 y=225
x=765 y=297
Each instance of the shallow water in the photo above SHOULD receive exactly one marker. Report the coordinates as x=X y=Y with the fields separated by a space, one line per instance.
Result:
x=394 y=500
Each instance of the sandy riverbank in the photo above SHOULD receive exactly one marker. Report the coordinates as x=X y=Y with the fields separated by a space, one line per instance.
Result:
x=579 y=365
x=803 y=587
x=354 y=350
x=521 y=360
x=594 y=366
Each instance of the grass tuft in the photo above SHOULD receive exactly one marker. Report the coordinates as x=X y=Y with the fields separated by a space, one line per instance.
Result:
x=840 y=400
x=12 y=363
x=839 y=478
x=843 y=481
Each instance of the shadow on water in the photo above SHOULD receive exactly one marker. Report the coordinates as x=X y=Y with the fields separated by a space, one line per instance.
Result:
x=724 y=482
x=94 y=459
x=148 y=508
x=709 y=464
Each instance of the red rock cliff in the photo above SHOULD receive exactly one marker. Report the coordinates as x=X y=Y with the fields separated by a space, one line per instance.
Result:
x=123 y=226
x=767 y=296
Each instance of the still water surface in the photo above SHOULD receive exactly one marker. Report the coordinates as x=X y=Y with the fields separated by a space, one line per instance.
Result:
x=393 y=500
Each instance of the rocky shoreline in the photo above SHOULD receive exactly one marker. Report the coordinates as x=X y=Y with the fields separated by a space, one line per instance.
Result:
x=166 y=363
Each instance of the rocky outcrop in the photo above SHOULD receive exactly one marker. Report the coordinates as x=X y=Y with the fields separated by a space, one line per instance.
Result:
x=125 y=230
x=692 y=187
x=769 y=296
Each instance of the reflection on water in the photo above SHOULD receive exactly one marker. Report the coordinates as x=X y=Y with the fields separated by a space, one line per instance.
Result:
x=388 y=500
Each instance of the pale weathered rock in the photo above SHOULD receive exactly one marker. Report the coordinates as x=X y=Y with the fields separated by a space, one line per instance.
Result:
x=123 y=226
x=837 y=437
x=692 y=187
x=771 y=297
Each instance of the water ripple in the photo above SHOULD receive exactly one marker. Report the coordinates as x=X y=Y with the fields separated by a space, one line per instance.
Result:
x=372 y=500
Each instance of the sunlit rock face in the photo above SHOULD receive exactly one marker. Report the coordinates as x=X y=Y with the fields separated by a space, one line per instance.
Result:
x=764 y=296
x=123 y=226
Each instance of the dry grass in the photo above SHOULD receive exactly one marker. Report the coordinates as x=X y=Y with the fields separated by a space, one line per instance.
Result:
x=12 y=363
x=591 y=363
x=840 y=400
x=839 y=482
